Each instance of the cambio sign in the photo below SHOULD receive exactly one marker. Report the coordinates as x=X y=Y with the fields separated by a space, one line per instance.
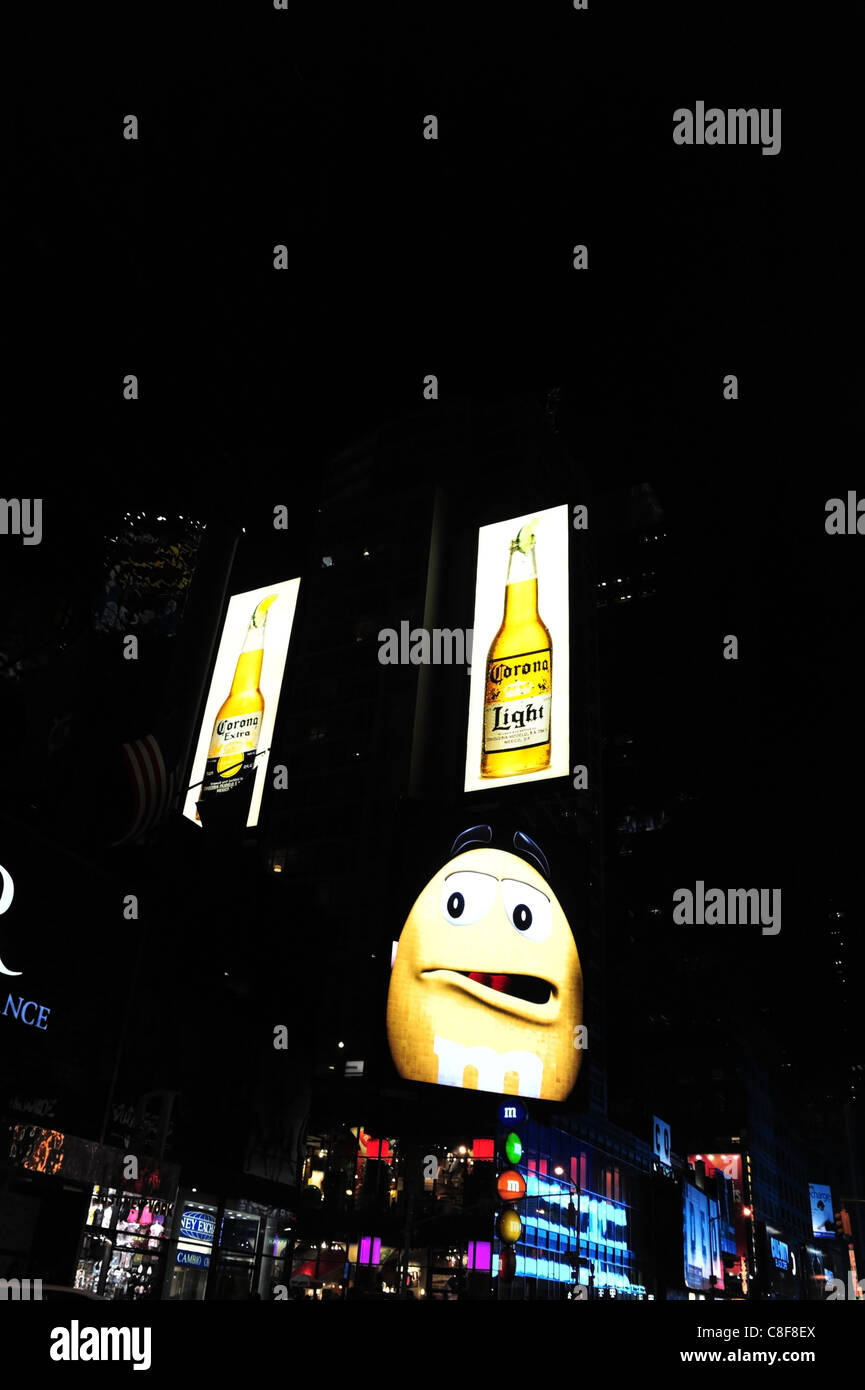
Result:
x=17 y=1008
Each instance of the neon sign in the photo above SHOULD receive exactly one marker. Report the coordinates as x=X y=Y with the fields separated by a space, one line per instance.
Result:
x=197 y=1225
x=19 y=1009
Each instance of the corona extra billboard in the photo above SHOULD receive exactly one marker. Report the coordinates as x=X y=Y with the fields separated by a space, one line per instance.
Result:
x=233 y=746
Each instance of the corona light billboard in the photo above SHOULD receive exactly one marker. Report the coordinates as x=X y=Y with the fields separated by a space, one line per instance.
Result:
x=486 y=989
x=239 y=715
x=519 y=694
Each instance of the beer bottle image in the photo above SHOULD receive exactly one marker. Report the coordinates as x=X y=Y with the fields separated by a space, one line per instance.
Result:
x=236 y=729
x=519 y=674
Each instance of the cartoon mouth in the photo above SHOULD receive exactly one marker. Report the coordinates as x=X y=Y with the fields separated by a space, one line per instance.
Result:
x=529 y=988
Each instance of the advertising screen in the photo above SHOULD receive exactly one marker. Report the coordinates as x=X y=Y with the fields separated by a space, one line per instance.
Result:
x=519 y=697
x=661 y=1140
x=232 y=749
x=702 y=1250
x=780 y=1252
x=822 y=1215
x=730 y=1167
x=486 y=987
x=782 y=1266
x=715 y=1244
x=728 y=1164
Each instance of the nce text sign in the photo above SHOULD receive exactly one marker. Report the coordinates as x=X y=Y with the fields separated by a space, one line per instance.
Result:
x=19 y=1011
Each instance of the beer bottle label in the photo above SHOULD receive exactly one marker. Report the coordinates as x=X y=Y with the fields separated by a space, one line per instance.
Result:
x=231 y=758
x=518 y=701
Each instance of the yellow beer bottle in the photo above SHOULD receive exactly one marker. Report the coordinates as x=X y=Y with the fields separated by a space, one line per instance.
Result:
x=519 y=678
x=236 y=729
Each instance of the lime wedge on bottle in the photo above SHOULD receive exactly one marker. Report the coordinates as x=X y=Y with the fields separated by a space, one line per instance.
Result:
x=259 y=617
x=526 y=536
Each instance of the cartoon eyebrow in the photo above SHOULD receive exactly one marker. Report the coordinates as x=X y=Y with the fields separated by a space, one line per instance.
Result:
x=475 y=835
x=523 y=845
x=482 y=835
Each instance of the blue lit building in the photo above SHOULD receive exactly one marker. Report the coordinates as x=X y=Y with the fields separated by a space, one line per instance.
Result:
x=585 y=1216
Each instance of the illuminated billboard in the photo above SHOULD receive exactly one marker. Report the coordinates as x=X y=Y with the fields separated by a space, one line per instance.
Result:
x=239 y=715
x=728 y=1164
x=486 y=986
x=519 y=697
x=781 y=1254
x=734 y=1238
x=39 y=1150
x=782 y=1269
x=661 y=1141
x=822 y=1216
x=702 y=1247
x=597 y=1244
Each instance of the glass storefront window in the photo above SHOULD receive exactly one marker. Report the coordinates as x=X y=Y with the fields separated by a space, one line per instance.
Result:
x=277 y=1249
x=101 y=1207
x=253 y=1248
x=130 y=1232
x=238 y=1246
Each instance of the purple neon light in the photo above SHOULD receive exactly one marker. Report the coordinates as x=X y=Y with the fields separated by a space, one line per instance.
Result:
x=480 y=1254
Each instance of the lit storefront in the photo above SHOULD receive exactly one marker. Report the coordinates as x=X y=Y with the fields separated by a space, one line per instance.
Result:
x=235 y=1250
x=124 y=1244
x=192 y=1249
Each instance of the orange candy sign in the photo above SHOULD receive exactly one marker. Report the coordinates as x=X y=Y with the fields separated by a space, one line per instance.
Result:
x=511 y=1185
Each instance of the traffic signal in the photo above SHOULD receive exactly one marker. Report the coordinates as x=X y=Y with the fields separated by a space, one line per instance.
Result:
x=842 y=1222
